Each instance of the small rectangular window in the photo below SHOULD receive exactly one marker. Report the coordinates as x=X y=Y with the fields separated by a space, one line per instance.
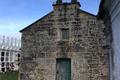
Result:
x=18 y=55
x=6 y=58
x=3 y=64
x=3 y=69
x=2 y=53
x=2 y=59
x=11 y=59
x=7 y=53
x=64 y=33
x=11 y=54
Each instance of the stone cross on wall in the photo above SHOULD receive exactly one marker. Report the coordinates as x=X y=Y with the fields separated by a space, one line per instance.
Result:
x=74 y=1
x=60 y=1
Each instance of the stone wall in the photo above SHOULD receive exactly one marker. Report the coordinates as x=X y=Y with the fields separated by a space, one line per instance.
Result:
x=42 y=45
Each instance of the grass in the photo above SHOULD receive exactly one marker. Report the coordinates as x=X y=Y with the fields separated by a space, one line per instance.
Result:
x=9 y=76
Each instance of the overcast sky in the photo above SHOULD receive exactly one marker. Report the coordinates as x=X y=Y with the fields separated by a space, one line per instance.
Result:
x=17 y=14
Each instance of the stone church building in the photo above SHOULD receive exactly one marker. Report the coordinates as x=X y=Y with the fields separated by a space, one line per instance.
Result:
x=66 y=44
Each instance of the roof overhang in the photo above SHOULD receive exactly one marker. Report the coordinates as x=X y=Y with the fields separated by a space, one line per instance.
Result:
x=101 y=12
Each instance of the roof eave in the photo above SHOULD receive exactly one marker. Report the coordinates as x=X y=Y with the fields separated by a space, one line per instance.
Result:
x=35 y=22
x=101 y=8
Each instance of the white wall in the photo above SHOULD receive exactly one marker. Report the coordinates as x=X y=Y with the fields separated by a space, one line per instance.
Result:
x=113 y=6
x=116 y=46
x=115 y=19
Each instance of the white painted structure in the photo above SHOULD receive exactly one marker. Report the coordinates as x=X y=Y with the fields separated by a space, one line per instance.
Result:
x=112 y=8
x=9 y=53
x=115 y=20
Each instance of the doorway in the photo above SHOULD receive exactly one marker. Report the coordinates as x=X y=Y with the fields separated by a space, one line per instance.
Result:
x=63 y=69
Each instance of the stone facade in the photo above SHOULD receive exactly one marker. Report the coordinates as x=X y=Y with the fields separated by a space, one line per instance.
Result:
x=86 y=47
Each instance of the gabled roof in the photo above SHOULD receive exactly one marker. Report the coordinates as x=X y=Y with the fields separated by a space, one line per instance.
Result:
x=88 y=13
x=36 y=21
x=49 y=14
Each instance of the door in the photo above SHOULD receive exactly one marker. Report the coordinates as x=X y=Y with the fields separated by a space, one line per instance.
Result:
x=63 y=69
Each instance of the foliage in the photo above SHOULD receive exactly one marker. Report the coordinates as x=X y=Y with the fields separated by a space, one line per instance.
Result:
x=9 y=76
